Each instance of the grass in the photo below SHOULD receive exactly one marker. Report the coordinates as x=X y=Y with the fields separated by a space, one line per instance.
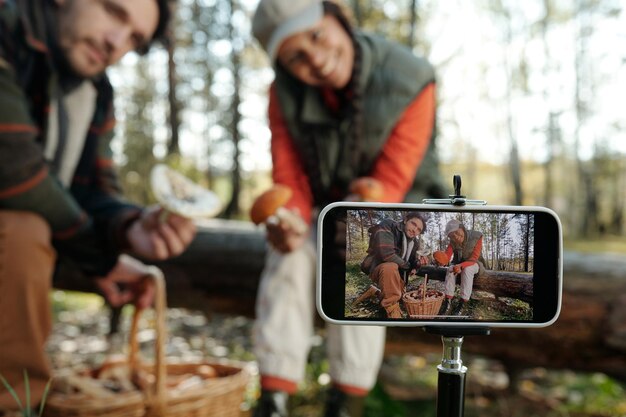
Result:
x=26 y=408
x=606 y=244
x=64 y=301
x=481 y=306
x=538 y=392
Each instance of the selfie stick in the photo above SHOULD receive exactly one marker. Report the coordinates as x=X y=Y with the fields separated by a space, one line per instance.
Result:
x=451 y=372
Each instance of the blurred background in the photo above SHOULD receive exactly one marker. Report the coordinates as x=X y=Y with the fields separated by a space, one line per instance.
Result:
x=530 y=112
x=531 y=99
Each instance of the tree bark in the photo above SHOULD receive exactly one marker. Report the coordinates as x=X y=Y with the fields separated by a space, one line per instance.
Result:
x=233 y=206
x=174 y=113
x=499 y=283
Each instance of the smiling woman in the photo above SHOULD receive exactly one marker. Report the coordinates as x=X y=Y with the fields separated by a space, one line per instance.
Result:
x=322 y=56
x=344 y=105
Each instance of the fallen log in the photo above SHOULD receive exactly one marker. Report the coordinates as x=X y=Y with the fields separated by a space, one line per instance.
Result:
x=590 y=334
x=220 y=272
x=499 y=283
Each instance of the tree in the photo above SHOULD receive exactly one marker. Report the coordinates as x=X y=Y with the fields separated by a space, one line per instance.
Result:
x=233 y=207
x=138 y=134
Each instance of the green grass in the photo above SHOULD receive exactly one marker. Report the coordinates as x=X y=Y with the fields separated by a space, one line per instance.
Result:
x=611 y=244
x=26 y=408
x=74 y=301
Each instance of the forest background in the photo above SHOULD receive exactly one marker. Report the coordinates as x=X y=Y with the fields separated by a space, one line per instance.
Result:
x=530 y=111
x=530 y=102
x=506 y=242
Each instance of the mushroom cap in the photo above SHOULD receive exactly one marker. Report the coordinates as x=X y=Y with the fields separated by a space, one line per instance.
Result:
x=180 y=195
x=441 y=257
x=266 y=204
x=368 y=188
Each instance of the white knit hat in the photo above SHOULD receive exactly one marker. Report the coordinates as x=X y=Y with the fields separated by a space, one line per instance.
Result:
x=452 y=226
x=276 y=20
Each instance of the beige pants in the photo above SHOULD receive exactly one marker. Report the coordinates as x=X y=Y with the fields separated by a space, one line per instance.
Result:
x=284 y=328
x=26 y=265
x=467 y=282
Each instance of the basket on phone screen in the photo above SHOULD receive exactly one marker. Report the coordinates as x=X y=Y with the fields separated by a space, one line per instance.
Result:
x=131 y=388
x=423 y=302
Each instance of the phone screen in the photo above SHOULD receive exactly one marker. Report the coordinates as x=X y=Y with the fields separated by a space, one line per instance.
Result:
x=406 y=264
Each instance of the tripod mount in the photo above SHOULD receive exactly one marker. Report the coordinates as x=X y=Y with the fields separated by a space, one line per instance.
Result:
x=451 y=371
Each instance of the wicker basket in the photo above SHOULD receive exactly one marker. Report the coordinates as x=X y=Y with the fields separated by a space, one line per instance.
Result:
x=420 y=306
x=423 y=303
x=219 y=396
x=129 y=404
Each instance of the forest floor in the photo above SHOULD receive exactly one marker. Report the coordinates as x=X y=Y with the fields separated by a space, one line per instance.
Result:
x=406 y=386
x=481 y=306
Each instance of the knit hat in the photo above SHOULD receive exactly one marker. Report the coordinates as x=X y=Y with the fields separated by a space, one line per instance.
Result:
x=452 y=226
x=275 y=20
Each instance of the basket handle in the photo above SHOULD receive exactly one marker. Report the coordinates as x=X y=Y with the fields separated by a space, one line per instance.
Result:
x=157 y=400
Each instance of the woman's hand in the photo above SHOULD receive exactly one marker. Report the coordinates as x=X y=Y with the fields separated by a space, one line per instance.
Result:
x=287 y=232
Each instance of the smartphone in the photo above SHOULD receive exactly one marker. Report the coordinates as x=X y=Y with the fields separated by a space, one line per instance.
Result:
x=439 y=265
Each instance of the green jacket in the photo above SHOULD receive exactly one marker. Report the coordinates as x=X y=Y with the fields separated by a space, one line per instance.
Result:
x=86 y=213
x=391 y=78
x=464 y=251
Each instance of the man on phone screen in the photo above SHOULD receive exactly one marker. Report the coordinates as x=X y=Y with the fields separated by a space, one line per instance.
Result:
x=393 y=253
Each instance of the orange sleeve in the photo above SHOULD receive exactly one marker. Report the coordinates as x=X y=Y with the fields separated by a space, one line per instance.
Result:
x=287 y=166
x=405 y=148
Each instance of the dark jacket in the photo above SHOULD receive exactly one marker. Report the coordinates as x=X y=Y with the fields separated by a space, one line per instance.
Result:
x=387 y=243
x=87 y=215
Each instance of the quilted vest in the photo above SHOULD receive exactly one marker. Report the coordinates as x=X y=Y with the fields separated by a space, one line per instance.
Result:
x=464 y=251
x=391 y=78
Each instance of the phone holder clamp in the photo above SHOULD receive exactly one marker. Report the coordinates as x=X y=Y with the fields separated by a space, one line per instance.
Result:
x=457 y=199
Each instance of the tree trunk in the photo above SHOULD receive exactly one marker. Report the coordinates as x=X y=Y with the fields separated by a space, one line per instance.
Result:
x=233 y=207
x=174 y=114
x=499 y=283
x=412 y=24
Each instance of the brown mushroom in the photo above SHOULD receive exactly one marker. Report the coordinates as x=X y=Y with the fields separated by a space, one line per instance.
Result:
x=269 y=207
x=267 y=203
x=368 y=189
x=441 y=258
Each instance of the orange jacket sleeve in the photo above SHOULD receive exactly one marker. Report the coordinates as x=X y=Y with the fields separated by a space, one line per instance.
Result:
x=287 y=166
x=405 y=148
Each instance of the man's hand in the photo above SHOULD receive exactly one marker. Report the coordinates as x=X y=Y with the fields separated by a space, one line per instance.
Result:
x=286 y=236
x=127 y=282
x=156 y=236
x=456 y=269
